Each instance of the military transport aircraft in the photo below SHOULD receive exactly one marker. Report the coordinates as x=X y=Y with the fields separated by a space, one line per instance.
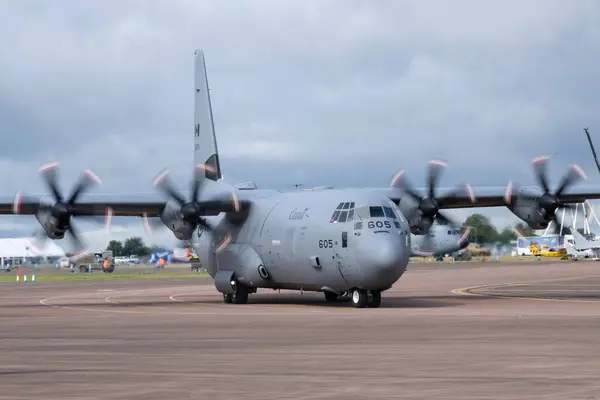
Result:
x=442 y=240
x=347 y=243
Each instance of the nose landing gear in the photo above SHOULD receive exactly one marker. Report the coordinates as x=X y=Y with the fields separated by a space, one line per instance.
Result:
x=240 y=295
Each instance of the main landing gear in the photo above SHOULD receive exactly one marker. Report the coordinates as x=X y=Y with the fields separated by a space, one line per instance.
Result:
x=240 y=295
x=360 y=298
x=366 y=298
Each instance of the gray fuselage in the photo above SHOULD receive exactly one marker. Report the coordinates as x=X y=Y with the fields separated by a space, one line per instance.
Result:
x=330 y=240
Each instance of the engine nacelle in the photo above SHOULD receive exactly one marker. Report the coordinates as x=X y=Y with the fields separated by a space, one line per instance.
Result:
x=417 y=223
x=171 y=217
x=52 y=226
x=532 y=215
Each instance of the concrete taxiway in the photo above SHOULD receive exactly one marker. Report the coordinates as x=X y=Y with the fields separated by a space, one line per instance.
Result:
x=443 y=331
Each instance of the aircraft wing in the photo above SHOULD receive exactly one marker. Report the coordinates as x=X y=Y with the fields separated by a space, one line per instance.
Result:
x=494 y=196
x=213 y=197
x=118 y=208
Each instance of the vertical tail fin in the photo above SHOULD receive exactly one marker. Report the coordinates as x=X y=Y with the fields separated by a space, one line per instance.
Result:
x=205 y=141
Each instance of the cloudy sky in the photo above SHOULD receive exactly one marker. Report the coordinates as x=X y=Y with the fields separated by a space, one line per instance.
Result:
x=317 y=92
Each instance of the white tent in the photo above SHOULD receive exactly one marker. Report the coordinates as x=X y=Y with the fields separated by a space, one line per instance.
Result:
x=24 y=247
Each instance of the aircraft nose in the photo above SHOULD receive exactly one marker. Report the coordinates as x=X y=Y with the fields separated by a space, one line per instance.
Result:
x=383 y=257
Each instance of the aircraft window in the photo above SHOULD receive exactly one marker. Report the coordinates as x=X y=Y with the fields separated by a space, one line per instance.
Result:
x=335 y=216
x=389 y=212
x=362 y=213
x=376 y=212
x=343 y=213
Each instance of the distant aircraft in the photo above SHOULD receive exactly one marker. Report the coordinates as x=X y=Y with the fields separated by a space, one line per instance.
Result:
x=440 y=240
x=581 y=244
x=350 y=242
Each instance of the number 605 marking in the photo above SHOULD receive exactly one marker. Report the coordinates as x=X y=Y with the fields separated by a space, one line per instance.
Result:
x=379 y=224
x=325 y=244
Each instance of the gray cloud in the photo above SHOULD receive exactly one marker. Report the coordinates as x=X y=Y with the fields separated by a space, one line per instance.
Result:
x=336 y=93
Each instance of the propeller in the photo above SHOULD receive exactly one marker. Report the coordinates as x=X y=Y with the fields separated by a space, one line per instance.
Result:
x=549 y=202
x=189 y=213
x=427 y=209
x=55 y=216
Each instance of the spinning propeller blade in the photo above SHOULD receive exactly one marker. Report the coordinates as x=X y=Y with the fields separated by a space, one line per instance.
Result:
x=428 y=206
x=55 y=217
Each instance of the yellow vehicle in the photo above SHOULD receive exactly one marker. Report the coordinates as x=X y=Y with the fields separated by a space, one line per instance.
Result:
x=551 y=252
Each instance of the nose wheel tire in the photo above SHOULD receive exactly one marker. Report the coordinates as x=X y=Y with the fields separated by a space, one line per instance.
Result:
x=239 y=297
x=364 y=298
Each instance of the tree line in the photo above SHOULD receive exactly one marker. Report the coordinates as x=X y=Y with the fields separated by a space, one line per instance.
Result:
x=134 y=246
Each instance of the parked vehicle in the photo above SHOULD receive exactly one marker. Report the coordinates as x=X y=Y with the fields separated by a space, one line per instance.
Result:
x=95 y=262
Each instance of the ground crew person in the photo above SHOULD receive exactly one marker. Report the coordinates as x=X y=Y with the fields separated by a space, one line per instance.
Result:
x=161 y=262
x=105 y=263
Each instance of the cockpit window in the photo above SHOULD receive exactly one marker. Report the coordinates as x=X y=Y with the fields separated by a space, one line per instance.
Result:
x=343 y=213
x=376 y=212
x=389 y=213
x=335 y=216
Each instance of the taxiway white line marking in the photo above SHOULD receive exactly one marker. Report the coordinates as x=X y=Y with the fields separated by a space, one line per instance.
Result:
x=43 y=302
x=197 y=291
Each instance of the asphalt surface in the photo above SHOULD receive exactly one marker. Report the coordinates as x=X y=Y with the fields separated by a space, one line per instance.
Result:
x=443 y=331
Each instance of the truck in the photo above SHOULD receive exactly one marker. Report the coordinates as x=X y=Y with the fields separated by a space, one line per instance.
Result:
x=477 y=251
x=95 y=262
